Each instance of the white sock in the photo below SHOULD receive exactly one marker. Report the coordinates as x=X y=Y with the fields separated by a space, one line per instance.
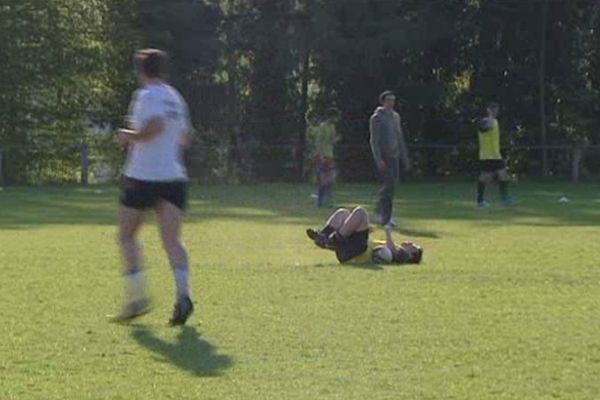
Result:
x=135 y=286
x=181 y=281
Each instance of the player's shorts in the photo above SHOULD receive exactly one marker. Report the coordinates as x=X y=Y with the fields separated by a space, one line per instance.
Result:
x=326 y=165
x=142 y=195
x=353 y=246
x=493 y=170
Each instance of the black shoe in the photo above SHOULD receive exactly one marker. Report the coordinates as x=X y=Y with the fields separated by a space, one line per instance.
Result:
x=312 y=234
x=181 y=312
x=132 y=310
x=320 y=239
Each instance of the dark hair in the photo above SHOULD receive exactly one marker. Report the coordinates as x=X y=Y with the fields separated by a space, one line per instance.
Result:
x=385 y=94
x=152 y=62
x=416 y=259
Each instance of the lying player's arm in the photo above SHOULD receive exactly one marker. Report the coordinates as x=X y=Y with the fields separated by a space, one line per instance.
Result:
x=151 y=130
x=389 y=240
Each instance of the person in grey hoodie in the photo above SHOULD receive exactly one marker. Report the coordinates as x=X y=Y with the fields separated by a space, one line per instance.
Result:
x=389 y=148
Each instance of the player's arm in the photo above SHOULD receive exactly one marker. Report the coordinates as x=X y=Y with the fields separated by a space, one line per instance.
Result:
x=151 y=130
x=402 y=143
x=389 y=240
x=486 y=124
x=187 y=135
x=149 y=121
x=375 y=141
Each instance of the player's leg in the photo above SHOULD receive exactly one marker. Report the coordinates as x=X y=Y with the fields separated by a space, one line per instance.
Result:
x=328 y=181
x=357 y=221
x=137 y=301
x=321 y=183
x=352 y=239
x=484 y=179
x=334 y=222
x=170 y=218
x=386 y=194
x=503 y=179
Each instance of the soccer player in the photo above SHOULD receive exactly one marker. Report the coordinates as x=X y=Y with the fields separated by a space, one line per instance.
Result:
x=388 y=147
x=323 y=137
x=154 y=179
x=347 y=233
x=492 y=166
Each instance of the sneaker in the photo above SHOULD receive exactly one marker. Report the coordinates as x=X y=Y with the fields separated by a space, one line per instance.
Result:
x=133 y=310
x=181 y=311
x=319 y=239
x=483 y=204
x=392 y=223
x=312 y=234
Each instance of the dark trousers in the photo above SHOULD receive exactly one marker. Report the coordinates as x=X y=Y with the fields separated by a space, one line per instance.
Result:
x=386 y=195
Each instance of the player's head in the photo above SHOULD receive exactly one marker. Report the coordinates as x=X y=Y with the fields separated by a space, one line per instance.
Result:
x=413 y=254
x=151 y=64
x=492 y=109
x=387 y=99
x=312 y=117
x=332 y=114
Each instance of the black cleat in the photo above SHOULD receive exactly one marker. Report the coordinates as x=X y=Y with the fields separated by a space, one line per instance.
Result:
x=312 y=234
x=132 y=310
x=319 y=239
x=181 y=311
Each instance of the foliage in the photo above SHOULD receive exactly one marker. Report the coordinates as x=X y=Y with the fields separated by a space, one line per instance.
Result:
x=252 y=68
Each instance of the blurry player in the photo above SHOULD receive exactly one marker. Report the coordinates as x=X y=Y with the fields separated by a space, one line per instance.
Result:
x=154 y=178
x=323 y=137
x=347 y=233
x=492 y=166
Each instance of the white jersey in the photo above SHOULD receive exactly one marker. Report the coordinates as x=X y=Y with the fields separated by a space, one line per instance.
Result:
x=160 y=158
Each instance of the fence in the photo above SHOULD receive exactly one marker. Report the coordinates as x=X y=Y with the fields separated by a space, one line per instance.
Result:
x=93 y=164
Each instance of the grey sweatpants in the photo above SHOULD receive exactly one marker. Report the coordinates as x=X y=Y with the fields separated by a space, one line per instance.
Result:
x=386 y=195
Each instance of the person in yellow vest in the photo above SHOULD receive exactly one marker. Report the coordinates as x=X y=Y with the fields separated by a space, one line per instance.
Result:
x=323 y=137
x=346 y=232
x=491 y=164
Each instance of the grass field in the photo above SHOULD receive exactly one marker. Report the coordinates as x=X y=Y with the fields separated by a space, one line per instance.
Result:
x=505 y=306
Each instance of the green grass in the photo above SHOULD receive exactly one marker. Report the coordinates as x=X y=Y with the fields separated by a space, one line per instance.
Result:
x=505 y=306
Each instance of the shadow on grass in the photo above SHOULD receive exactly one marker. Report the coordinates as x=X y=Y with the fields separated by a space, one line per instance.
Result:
x=290 y=204
x=190 y=351
x=418 y=233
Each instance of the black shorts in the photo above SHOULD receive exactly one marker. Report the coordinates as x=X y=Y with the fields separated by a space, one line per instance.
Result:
x=352 y=246
x=147 y=194
x=491 y=165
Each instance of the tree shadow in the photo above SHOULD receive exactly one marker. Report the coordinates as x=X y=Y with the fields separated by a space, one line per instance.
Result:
x=418 y=233
x=190 y=351
x=290 y=204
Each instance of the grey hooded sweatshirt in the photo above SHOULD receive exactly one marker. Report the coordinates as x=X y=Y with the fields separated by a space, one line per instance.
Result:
x=387 y=139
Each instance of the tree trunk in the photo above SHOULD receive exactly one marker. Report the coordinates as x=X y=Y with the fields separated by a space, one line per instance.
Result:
x=576 y=156
x=542 y=84
x=301 y=149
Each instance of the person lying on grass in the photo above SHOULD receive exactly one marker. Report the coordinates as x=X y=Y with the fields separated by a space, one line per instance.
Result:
x=347 y=233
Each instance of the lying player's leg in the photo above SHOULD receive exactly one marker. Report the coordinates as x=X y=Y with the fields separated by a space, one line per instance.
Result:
x=137 y=301
x=357 y=221
x=351 y=240
x=170 y=218
x=334 y=222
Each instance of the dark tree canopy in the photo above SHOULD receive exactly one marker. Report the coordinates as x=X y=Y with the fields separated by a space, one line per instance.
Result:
x=250 y=70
